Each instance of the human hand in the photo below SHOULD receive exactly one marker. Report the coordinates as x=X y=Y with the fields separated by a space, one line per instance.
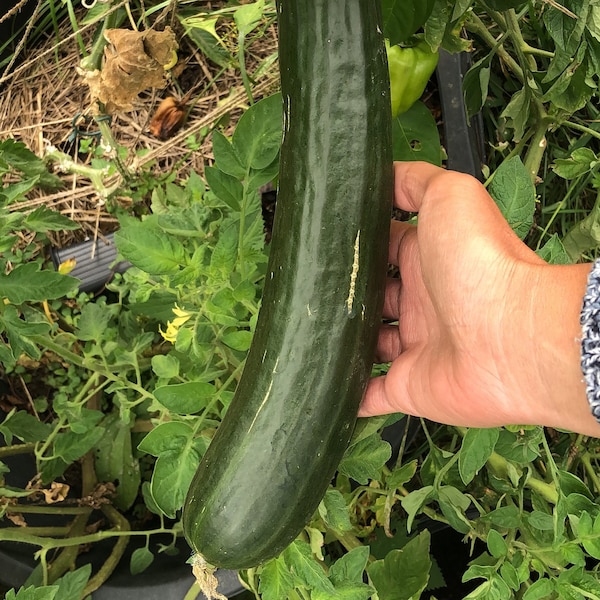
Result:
x=487 y=331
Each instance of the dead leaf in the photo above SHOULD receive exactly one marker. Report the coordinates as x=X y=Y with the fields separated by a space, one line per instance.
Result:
x=168 y=118
x=57 y=492
x=133 y=62
x=17 y=519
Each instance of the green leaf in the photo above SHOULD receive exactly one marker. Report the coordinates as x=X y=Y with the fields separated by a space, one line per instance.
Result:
x=257 y=137
x=496 y=544
x=44 y=219
x=475 y=85
x=165 y=366
x=539 y=590
x=170 y=435
x=141 y=559
x=401 y=475
x=513 y=191
x=404 y=573
x=580 y=162
x=306 y=567
x=584 y=235
x=19 y=157
x=226 y=157
x=350 y=566
x=364 y=460
x=238 y=340
x=477 y=447
x=508 y=517
x=540 y=520
x=94 y=320
x=334 y=512
x=248 y=16
x=47 y=592
x=554 y=252
x=413 y=503
x=72 y=584
x=70 y=446
x=25 y=427
x=403 y=18
x=225 y=253
x=588 y=531
x=225 y=187
x=415 y=136
x=517 y=112
x=346 y=591
x=148 y=248
x=115 y=461
x=27 y=283
x=19 y=332
x=276 y=581
x=185 y=398
x=173 y=473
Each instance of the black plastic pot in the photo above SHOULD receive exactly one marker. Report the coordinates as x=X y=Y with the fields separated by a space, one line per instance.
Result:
x=168 y=578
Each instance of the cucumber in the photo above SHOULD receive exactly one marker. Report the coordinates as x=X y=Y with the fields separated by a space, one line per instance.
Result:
x=294 y=409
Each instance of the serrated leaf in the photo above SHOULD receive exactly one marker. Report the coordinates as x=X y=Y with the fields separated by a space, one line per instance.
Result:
x=580 y=162
x=350 y=566
x=173 y=474
x=185 y=398
x=364 y=460
x=149 y=249
x=514 y=193
x=19 y=332
x=47 y=592
x=404 y=573
x=70 y=446
x=554 y=252
x=276 y=581
x=226 y=157
x=225 y=187
x=141 y=559
x=334 y=512
x=25 y=427
x=44 y=219
x=346 y=591
x=300 y=559
x=477 y=446
x=539 y=590
x=72 y=584
x=93 y=321
x=27 y=283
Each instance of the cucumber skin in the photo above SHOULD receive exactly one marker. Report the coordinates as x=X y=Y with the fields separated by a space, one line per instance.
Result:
x=293 y=412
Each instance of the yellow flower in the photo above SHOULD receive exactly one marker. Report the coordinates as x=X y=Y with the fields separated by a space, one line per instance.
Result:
x=181 y=316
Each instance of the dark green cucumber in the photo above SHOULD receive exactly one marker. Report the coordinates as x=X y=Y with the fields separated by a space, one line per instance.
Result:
x=293 y=412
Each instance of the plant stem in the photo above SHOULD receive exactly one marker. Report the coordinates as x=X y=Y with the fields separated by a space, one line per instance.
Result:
x=16 y=449
x=583 y=129
x=586 y=460
x=475 y=25
x=193 y=592
x=537 y=147
x=122 y=524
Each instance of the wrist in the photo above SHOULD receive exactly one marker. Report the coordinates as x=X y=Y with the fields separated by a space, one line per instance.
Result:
x=555 y=389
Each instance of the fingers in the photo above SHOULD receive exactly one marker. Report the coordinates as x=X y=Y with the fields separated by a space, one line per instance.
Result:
x=388 y=344
x=399 y=233
x=376 y=400
x=411 y=181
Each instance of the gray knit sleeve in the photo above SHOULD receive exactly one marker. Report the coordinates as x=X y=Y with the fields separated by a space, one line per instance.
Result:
x=590 y=339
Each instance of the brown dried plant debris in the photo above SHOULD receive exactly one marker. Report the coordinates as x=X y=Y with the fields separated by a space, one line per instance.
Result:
x=134 y=61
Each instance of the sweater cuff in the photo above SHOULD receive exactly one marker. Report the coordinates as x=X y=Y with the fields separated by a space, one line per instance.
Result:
x=590 y=339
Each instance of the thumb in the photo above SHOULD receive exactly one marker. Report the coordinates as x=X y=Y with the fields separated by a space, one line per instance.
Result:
x=376 y=400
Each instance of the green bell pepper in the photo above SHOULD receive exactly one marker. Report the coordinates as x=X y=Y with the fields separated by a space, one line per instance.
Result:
x=410 y=70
